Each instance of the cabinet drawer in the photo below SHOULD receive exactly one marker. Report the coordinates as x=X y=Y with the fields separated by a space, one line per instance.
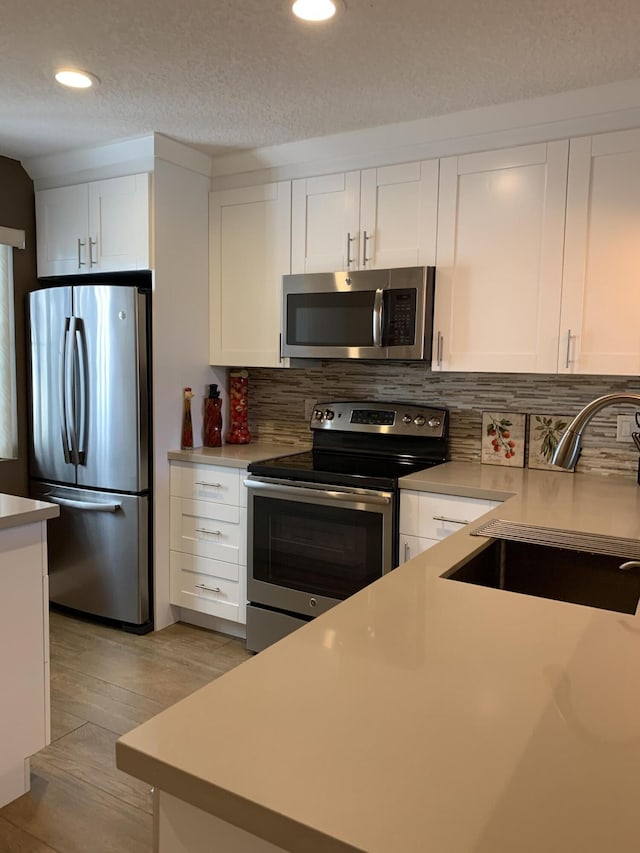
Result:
x=200 y=590
x=411 y=546
x=206 y=483
x=209 y=530
x=436 y=516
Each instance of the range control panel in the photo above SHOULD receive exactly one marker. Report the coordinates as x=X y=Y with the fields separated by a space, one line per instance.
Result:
x=374 y=417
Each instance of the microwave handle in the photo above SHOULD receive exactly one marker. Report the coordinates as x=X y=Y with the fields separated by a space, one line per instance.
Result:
x=378 y=303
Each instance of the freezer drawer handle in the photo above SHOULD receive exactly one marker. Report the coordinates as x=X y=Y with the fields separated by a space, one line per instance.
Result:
x=90 y=507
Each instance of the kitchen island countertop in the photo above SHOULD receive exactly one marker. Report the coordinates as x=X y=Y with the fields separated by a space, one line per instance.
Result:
x=428 y=715
x=15 y=511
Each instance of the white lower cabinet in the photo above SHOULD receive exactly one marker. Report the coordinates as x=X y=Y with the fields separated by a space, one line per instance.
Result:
x=24 y=654
x=208 y=520
x=428 y=517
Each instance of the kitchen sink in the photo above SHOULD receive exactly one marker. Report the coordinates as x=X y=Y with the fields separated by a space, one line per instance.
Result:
x=561 y=574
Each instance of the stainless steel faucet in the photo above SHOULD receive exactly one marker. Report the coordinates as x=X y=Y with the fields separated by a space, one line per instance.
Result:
x=568 y=449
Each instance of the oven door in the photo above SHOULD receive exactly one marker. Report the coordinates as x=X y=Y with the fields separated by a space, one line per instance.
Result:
x=310 y=546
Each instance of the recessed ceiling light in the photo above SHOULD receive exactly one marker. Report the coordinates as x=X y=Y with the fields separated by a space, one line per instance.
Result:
x=76 y=79
x=315 y=10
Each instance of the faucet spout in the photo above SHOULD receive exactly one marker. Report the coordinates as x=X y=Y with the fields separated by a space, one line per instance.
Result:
x=568 y=450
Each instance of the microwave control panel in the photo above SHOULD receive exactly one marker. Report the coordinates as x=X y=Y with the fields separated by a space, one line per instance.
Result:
x=399 y=318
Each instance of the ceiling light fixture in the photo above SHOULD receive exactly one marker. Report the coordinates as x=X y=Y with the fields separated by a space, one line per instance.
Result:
x=315 y=10
x=76 y=79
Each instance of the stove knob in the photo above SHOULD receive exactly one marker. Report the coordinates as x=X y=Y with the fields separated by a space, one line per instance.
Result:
x=328 y=415
x=407 y=419
x=419 y=420
x=317 y=414
x=435 y=422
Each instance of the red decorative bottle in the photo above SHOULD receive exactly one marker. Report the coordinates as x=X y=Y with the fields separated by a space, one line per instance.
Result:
x=186 y=441
x=213 y=418
x=238 y=411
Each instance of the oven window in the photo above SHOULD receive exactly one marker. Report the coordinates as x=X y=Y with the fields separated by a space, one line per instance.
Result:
x=330 y=319
x=317 y=549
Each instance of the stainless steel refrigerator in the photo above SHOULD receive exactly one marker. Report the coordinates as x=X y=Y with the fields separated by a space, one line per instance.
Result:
x=90 y=446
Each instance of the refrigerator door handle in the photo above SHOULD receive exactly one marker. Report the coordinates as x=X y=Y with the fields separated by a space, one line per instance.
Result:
x=70 y=389
x=86 y=505
x=79 y=342
x=62 y=392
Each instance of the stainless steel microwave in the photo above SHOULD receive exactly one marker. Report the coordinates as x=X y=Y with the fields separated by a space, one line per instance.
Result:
x=372 y=314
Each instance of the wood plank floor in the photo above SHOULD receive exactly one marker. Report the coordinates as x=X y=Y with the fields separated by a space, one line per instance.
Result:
x=104 y=683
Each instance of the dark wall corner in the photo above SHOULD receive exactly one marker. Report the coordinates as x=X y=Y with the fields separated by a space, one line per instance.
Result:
x=17 y=210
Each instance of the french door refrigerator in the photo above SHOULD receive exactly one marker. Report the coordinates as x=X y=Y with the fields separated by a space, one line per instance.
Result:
x=90 y=448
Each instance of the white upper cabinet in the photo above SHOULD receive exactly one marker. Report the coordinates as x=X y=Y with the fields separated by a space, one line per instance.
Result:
x=374 y=219
x=250 y=252
x=324 y=232
x=499 y=259
x=102 y=226
x=601 y=291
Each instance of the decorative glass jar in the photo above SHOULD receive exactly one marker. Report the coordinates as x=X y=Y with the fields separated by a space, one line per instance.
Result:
x=238 y=407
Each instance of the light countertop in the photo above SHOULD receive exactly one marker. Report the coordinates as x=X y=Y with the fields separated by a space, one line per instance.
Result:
x=15 y=511
x=428 y=715
x=233 y=455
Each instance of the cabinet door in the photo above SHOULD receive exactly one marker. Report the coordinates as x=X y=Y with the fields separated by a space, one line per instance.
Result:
x=398 y=215
x=62 y=232
x=601 y=296
x=325 y=219
x=250 y=252
x=499 y=259
x=119 y=224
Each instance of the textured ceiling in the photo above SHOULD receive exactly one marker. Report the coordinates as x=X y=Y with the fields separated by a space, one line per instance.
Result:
x=225 y=74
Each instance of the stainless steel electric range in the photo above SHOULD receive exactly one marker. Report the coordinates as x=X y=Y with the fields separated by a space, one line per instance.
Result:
x=323 y=523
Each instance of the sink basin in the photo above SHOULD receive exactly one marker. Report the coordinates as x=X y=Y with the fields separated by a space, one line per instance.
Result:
x=561 y=574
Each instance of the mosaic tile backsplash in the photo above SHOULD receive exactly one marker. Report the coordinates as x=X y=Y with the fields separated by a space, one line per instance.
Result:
x=277 y=401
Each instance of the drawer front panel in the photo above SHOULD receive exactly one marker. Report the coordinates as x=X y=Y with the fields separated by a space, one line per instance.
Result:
x=436 y=516
x=215 y=569
x=411 y=546
x=208 y=530
x=206 y=483
x=204 y=592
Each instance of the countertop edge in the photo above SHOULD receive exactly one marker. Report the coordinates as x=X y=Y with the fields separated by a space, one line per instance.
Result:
x=264 y=823
x=233 y=455
x=29 y=515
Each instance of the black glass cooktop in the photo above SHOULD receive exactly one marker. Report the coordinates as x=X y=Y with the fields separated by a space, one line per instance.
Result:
x=341 y=469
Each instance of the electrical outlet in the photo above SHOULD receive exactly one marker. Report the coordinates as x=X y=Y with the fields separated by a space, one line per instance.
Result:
x=626 y=424
x=309 y=406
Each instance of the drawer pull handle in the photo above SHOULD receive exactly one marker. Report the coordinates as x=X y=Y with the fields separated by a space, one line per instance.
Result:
x=211 y=485
x=210 y=532
x=450 y=520
x=208 y=588
x=407 y=552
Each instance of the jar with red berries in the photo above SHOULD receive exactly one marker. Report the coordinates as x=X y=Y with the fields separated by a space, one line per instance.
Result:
x=238 y=407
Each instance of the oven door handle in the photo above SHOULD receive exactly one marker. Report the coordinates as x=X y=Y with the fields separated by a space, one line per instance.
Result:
x=310 y=490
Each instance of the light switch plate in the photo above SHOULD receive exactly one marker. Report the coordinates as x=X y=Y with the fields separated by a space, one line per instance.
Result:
x=626 y=424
